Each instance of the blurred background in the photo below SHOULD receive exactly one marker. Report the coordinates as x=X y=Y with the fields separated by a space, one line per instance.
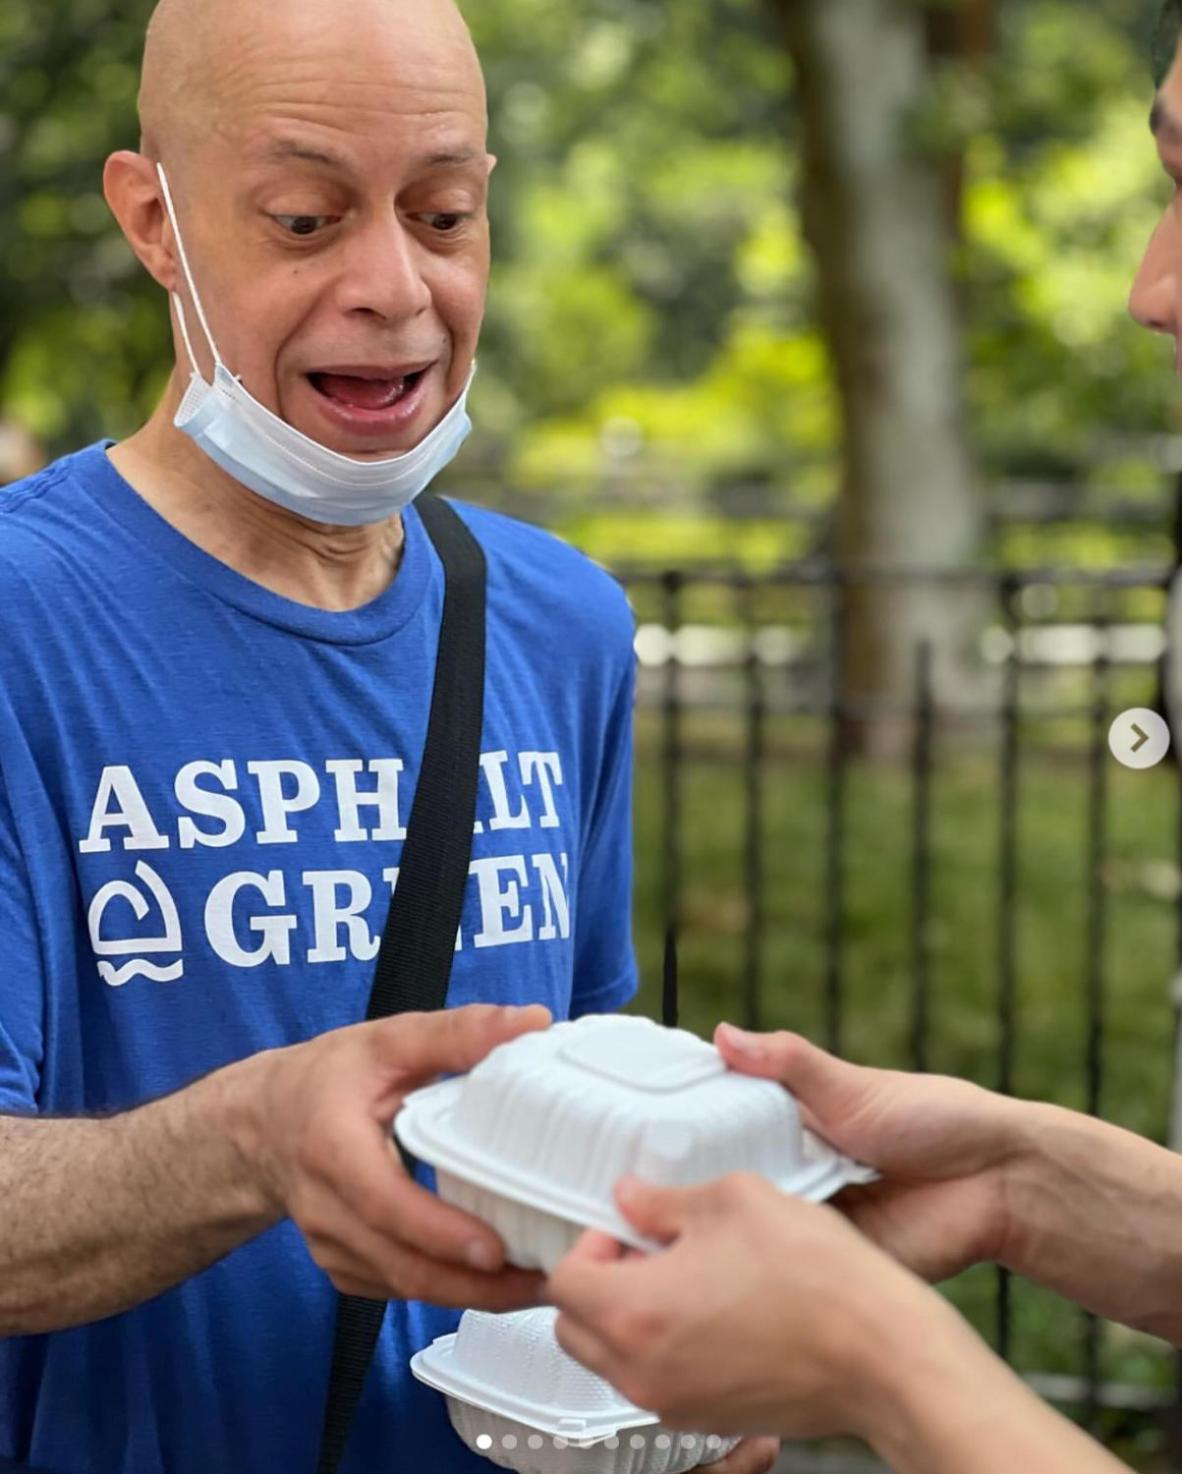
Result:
x=808 y=320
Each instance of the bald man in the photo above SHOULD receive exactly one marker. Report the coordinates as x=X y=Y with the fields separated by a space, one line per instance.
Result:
x=219 y=646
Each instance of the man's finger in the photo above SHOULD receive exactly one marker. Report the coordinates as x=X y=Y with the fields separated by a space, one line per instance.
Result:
x=461 y=1289
x=367 y=1289
x=444 y=1231
x=370 y=1183
x=414 y=1276
x=350 y=1252
x=420 y=1046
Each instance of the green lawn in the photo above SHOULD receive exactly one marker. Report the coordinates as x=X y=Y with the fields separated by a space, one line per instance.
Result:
x=1052 y=937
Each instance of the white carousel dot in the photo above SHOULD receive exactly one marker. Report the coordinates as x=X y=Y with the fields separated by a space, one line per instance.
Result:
x=484 y=1441
x=613 y=1443
x=663 y=1441
x=535 y=1440
x=560 y=1442
x=713 y=1441
x=637 y=1440
x=509 y=1441
x=688 y=1440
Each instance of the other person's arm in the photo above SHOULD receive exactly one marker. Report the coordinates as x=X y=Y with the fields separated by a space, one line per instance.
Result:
x=101 y=1214
x=769 y=1315
x=1085 y=1208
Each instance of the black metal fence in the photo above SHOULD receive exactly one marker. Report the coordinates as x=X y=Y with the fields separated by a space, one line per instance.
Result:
x=1060 y=650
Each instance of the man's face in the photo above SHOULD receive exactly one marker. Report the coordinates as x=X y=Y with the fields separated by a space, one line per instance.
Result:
x=335 y=221
x=1155 y=301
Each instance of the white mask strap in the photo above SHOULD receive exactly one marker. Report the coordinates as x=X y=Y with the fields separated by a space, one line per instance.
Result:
x=184 y=326
x=180 y=306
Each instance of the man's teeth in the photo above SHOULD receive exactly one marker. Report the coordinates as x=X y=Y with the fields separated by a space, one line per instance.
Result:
x=362 y=393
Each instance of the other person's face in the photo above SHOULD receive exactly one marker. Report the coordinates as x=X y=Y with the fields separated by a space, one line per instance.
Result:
x=1155 y=299
x=335 y=221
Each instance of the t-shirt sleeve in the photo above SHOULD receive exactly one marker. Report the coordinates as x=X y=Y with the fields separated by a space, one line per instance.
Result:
x=21 y=973
x=605 y=961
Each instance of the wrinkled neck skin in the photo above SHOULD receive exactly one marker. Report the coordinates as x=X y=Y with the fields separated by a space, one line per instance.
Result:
x=332 y=568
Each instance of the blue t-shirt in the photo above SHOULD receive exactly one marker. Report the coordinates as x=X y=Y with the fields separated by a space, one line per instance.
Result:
x=204 y=791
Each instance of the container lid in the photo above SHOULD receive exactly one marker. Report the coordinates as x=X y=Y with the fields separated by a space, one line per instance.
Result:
x=512 y=1365
x=554 y=1119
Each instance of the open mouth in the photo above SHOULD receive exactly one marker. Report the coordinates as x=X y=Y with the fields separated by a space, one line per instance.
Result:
x=366 y=392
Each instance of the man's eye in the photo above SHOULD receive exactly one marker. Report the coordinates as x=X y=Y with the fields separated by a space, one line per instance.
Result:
x=445 y=224
x=302 y=225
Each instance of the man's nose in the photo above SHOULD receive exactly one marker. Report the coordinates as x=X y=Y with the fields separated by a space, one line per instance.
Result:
x=1153 y=301
x=385 y=271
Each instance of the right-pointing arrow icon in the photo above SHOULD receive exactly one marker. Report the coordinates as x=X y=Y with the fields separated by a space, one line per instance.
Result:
x=1139 y=738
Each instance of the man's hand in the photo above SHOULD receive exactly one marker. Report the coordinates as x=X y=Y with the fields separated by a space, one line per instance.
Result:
x=319 y=1119
x=943 y=1146
x=757 y=1319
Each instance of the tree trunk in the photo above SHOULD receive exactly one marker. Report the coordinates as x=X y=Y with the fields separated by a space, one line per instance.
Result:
x=876 y=215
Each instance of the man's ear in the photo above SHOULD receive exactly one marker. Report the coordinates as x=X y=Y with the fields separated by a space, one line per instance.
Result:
x=492 y=162
x=132 y=190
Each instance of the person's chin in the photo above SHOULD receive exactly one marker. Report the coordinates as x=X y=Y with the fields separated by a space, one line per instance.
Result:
x=371 y=433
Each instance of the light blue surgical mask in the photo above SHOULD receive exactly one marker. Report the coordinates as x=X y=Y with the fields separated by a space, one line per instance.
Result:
x=278 y=462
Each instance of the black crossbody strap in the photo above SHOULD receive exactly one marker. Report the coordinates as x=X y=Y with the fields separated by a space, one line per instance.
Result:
x=418 y=943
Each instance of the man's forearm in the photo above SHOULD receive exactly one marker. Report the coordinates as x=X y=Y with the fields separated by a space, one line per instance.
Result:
x=944 y=1402
x=1095 y=1213
x=102 y=1214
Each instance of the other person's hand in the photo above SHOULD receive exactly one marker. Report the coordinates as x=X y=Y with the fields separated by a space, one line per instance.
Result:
x=752 y=1456
x=764 y=1315
x=767 y=1314
x=943 y=1146
x=318 y=1126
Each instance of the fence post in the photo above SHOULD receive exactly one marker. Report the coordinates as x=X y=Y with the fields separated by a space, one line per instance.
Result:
x=1174 y=1139
x=670 y=994
x=1007 y=875
x=1094 y=967
x=755 y=709
x=921 y=865
x=671 y=755
x=835 y=836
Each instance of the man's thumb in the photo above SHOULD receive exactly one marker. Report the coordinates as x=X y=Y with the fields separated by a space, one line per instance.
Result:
x=452 y=1040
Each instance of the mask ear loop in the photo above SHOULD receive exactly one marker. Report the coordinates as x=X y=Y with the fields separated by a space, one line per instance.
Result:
x=180 y=306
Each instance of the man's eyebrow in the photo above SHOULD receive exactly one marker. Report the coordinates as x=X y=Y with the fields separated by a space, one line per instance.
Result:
x=280 y=150
x=452 y=158
x=283 y=149
x=1163 y=125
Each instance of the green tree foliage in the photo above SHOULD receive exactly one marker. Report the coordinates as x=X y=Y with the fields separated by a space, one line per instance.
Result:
x=83 y=334
x=1065 y=191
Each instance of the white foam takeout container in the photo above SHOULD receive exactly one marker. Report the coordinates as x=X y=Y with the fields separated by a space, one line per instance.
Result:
x=533 y=1140
x=515 y=1397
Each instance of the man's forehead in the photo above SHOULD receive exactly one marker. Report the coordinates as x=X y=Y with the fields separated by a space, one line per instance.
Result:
x=218 y=66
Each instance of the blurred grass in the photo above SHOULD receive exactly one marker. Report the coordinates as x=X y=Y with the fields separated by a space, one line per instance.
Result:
x=1140 y=880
